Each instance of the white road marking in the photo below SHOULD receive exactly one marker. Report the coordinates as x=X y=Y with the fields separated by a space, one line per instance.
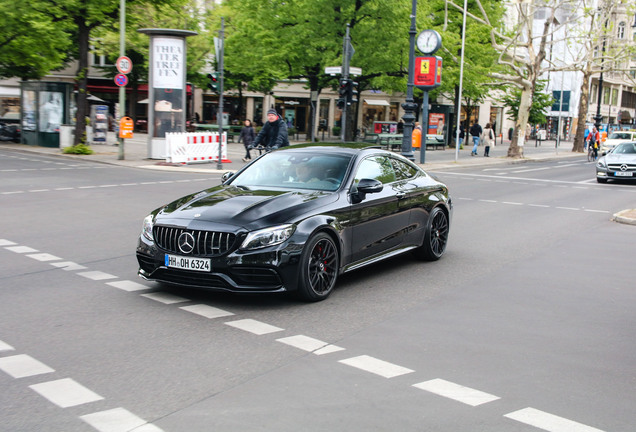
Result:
x=22 y=365
x=548 y=422
x=376 y=366
x=66 y=392
x=5 y=242
x=456 y=392
x=5 y=346
x=253 y=326
x=44 y=257
x=128 y=285
x=309 y=344
x=97 y=275
x=68 y=266
x=118 y=420
x=165 y=298
x=21 y=249
x=206 y=311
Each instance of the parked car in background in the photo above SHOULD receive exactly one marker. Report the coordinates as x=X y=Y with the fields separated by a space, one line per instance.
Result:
x=10 y=127
x=618 y=164
x=296 y=218
x=616 y=138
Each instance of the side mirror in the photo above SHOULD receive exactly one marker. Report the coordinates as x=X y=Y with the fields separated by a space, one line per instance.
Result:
x=364 y=187
x=226 y=176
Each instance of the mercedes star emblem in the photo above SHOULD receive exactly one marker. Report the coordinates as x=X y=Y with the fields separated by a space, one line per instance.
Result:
x=186 y=243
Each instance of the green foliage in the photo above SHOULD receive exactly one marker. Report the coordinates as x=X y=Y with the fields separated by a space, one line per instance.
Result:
x=79 y=149
x=540 y=101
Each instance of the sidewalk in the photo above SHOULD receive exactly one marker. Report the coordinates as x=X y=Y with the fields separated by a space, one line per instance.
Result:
x=136 y=155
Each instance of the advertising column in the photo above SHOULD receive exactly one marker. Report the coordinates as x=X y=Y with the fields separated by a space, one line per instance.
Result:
x=167 y=87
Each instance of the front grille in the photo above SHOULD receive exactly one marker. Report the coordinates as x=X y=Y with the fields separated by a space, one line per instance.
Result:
x=206 y=243
x=617 y=167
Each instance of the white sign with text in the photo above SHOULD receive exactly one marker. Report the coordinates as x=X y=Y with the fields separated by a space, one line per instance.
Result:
x=168 y=59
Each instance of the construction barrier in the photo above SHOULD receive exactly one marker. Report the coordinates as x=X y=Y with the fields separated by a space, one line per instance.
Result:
x=195 y=147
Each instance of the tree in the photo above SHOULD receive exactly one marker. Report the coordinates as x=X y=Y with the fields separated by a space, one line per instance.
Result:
x=540 y=101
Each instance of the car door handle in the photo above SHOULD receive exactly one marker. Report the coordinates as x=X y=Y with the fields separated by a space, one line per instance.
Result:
x=400 y=195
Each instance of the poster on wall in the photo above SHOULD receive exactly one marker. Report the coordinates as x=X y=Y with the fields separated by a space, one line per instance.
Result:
x=51 y=111
x=29 y=113
x=436 y=124
x=168 y=60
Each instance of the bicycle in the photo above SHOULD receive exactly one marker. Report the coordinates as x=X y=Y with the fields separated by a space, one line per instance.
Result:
x=591 y=152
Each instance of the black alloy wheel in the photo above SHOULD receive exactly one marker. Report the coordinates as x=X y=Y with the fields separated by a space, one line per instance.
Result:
x=436 y=236
x=319 y=268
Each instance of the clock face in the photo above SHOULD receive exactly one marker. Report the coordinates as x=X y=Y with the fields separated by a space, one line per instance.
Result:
x=428 y=41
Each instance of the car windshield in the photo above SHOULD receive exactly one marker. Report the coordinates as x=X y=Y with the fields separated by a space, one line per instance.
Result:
x=625 y=148
x=295 y=170
x=620 y=135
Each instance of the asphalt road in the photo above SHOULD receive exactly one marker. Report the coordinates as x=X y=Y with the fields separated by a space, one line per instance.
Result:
x=526 y=324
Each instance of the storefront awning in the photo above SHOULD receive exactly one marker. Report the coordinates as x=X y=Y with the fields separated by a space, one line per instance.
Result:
x=380 y=102
x=9 y=91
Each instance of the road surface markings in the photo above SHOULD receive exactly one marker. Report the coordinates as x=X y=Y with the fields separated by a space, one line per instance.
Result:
x=68 y=266
x=44 y=257
x=127 y=285
x=456 y=392
x=118 y=420
x=97 y=275
x=21 y=249
x=165 y=298
x=376 y=366
x=65 y=392
x=309 y=344
x=5 y=242
x=206 y=311
x=548 y=422
x=5 y=346
x=22 y=365
x=253 y=326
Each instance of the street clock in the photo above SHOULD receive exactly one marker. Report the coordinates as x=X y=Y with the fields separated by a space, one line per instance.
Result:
x=429 y=41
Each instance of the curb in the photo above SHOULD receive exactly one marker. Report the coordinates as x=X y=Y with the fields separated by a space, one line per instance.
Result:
x=625 y=217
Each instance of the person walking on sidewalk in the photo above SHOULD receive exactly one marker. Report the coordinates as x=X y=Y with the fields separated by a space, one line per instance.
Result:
x=487 y=137
x=475 y=132
x=247 y=136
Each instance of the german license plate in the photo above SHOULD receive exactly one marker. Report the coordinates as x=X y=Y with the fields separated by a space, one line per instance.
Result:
x=623 y=174
x=188 y=263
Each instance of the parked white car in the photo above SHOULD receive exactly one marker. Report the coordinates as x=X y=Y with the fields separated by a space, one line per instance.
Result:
x=616 y=138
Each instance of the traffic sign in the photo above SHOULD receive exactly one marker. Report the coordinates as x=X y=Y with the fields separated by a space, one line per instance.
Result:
x=121 y=80
x=124 y=64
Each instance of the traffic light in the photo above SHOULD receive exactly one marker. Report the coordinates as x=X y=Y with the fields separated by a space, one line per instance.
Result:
x=352 y=93
x=214 y=82
x=342 y=92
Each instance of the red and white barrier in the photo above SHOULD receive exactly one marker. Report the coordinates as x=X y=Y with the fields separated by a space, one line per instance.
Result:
x=195 y=147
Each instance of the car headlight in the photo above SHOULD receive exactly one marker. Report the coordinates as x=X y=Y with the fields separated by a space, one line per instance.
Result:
x=601 y=163
x=146 y=230
x=268 y=237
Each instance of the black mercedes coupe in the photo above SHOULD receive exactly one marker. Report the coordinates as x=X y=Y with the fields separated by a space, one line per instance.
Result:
x=296 y=218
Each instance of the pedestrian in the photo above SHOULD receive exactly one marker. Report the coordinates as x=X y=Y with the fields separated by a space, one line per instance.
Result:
x=274 y=132
x=487 y=137
x=475 y=132
x=462 y=134
x=586 y=137
x=247 y=136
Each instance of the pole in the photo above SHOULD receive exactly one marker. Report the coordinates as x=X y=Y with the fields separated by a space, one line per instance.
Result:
x=424 y=127
x=409 y=105
x=345 y=76
x=461 y=81
x=122 y=89
x=219 y=116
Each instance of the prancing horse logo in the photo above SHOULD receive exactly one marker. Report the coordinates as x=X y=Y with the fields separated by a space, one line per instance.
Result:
x=186 y=243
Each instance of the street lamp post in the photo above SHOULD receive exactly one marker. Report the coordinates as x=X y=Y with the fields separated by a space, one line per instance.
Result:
x=599 y=117
x=409 y=105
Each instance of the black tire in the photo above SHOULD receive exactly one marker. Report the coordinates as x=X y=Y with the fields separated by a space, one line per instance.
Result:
x=318 y=268
x=590 y=156
x=436 y=236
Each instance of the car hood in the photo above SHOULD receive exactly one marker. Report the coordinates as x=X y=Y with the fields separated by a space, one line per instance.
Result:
x=238 y=207
x=614 y=142
x=620 y=158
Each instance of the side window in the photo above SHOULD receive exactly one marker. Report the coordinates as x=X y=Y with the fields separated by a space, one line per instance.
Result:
x=378 y=168
x=403 y=171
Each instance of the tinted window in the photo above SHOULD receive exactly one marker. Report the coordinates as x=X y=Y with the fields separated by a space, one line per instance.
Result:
x=403 y=171
x=377 y=168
